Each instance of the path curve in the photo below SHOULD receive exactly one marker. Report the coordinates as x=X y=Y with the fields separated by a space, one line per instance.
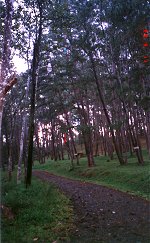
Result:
x=103 y=215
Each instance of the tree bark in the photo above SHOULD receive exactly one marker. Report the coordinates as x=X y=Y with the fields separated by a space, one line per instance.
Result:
x=22 y=137
x=35 y=64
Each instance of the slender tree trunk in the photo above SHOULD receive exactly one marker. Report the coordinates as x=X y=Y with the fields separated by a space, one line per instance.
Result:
x=88 y=149
x=137 y=140
x=22 y=137
x=5 y=85
x=87 y=136
x=69 y=129
x=108 y=144
x=134 y=139
x=61 y=148
x=21 y=150
x=54 y=152
x=35 y=64
x=71 y=136
x=70 y=154
x=96 y=148
x=120 y=158
x=148 y=130
x=96 y=134
x=10 y=162
x=32 y=112
x=38 y=145
x=1 y=114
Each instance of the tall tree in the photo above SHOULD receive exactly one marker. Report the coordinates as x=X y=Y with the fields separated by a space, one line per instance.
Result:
x=5 y=70
x=35 y=63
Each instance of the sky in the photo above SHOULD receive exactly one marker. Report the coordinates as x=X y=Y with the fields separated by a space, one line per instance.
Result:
x=20 y=64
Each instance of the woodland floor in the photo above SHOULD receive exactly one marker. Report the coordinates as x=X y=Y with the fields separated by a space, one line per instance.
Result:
x=103 y=215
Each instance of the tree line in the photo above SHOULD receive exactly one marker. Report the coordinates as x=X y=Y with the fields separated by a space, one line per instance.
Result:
x=86 y=81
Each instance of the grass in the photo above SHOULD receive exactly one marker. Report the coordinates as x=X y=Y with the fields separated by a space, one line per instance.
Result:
x=41 y=213
x=131 y=178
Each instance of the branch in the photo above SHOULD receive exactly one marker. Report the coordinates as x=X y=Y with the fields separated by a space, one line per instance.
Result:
x=10 y=84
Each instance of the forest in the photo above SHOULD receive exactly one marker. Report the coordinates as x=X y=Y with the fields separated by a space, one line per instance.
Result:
x=84 y=94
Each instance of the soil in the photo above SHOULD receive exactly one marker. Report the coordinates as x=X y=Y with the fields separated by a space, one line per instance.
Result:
x=6 y=212
x=103 y=215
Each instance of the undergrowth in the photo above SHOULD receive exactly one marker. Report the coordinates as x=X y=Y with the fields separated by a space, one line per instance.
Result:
x=40 y=213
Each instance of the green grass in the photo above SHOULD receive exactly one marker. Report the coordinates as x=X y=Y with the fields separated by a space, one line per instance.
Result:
x=131 y=178
x=40 y=212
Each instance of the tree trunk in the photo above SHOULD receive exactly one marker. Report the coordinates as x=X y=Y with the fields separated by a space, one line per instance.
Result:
x=71 y=136
x=61 y=147
x=70 y=154
x=148 y=131
x=1 y=114
x=38 y=146
x=22 y=137
x=87 y=135
x=120 y=158
x=54 y=152
x=5 y=66
x=35 y=63
x=10 y=163
x=21 y=149
x=32 y=112
x=136 y=138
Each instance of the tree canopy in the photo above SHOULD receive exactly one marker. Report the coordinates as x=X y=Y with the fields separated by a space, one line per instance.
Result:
x=86 y=83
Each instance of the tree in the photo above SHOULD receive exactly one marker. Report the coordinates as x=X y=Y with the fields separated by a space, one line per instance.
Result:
x=86 y=75
x=35 y=63
x=6 y=83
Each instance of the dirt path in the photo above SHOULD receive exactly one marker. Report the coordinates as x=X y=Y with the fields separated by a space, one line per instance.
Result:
x=102 y=214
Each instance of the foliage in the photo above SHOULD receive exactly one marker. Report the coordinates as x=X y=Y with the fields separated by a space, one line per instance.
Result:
x=81 y=40
x=37 y=212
